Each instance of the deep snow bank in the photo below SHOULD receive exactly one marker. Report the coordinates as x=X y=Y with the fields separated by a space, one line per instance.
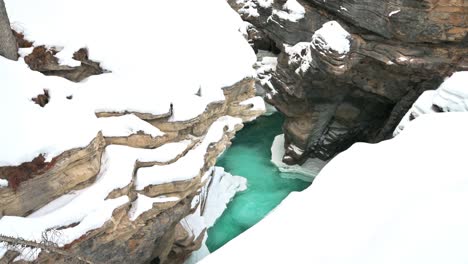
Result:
x=399 y=201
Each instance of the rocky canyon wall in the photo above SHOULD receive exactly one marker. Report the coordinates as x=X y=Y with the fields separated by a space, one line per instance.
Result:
x=349 y=70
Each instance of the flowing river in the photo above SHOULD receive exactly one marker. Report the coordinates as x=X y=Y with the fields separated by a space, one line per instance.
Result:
x=249 y=156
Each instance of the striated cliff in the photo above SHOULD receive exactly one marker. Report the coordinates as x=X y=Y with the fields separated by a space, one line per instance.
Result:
x=107 y=155
x=142 y=213
x=348 y=71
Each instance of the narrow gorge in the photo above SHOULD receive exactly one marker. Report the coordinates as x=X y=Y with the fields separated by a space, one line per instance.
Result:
x=250 y=157
x=234 y=131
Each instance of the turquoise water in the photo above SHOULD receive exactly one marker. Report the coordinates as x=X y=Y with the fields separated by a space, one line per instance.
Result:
x=249 y=156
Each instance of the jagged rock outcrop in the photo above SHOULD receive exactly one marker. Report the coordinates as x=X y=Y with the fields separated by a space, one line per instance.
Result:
x=42 y=59
x=132 y=235
x=349 y=70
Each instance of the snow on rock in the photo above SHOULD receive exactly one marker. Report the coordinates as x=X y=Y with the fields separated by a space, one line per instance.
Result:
x=300 y=56
x=423 y=105
x=144 y=80
x=126 y=125
x=249 y=8
x=257 y=102
x=3 y=183
x=23 y=52
x=306 y=171
x=65 y=57
x=331 y=37
x=144 y=203
x=189 y=165
x=399 y=201
x=88 y=208
x=265 y=66
x=265 y=3
x=292 y=11
x=221 y=190
x=451 y=96
x=394 y=12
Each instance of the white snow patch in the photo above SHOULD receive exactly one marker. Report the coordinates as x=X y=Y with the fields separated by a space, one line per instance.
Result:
x=144 y=203
x=265 y=66
x=222 y=189
x=189 y=165
x=300 y=55
x=402 y=59
x=265 y=3
x=306 y=171
x=292 y=11
x=126 y=125
x=332 y=37
x=399 y=201
x=257 y=102
x=451 y=96
x=249 y=8
x=343 y=8
x=423 y=105
x=23 y=52
x=394 y=12
x=3 y=183
x=65 y=57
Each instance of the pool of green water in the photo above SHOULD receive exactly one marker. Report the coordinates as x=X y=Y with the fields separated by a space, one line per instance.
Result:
x=249 y=156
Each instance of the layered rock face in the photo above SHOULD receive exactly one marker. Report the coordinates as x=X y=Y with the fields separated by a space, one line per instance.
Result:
x=146 y=223
x=109 y=144
x=349 y=70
